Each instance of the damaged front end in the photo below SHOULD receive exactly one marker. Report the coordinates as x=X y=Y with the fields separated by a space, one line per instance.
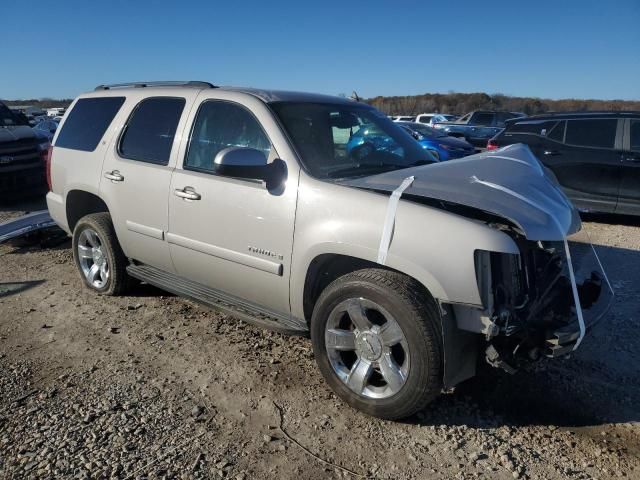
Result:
x=529 y=304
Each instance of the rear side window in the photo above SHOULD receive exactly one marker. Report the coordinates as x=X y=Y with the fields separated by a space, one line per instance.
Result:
x=87 y=121
x=591 y=133
x=148 y=135
x=483 y=118
x=635 y=135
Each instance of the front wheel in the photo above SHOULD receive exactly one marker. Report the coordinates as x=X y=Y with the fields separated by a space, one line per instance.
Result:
x=376 y=340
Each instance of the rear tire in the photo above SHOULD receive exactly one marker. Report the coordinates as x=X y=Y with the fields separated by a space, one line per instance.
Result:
x=386 y=362
x=98 y=255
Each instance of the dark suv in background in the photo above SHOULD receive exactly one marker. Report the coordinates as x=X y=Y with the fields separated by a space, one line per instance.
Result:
x=594 y=155
x=22 y=156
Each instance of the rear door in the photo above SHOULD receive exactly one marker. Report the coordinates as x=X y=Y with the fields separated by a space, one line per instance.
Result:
x=629 y=199
x=136 y=174
x=584 y=154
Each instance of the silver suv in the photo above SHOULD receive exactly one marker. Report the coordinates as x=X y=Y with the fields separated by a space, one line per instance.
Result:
x=265 y=204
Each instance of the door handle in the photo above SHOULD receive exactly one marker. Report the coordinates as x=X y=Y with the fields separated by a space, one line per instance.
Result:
x=114 y=176
x=187 y=194
x=551 y=152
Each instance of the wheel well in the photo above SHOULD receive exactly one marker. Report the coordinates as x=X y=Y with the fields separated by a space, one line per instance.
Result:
x=326 y=268
x=80 y=203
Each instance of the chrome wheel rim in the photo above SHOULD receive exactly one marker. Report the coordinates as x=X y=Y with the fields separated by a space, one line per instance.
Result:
x=92 y=258
x=367 y=349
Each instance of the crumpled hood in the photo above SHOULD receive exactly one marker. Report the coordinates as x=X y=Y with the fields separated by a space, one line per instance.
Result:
x=509 y=182
x=11 y=134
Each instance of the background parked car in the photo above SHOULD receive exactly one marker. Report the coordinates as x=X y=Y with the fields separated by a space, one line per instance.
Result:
x=595 y=155
x=431 y=118
x=22 y=153
x=47 y=128
x=477 y=127
x=437 y=142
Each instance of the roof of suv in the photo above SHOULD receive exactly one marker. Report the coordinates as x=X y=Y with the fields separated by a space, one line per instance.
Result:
x=267 y=96
x=574 y=115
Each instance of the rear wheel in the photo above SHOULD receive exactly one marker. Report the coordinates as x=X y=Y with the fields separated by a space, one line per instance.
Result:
x=98 y=256
x=376 y=340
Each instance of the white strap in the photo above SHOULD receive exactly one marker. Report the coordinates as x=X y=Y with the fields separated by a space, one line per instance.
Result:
x=574 y=288
x=390 y=220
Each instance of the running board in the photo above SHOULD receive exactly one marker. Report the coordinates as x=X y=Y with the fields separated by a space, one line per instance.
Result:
x=224 y=302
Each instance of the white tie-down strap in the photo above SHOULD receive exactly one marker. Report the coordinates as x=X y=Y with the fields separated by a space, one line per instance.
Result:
x=574 y=287
x=390 y=219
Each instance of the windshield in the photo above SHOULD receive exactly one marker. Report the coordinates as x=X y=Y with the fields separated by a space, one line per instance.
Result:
x=340 y=141
x=6 y=117
x=425 y=130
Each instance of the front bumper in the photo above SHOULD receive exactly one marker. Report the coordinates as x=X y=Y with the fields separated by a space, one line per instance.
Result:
x=22 y=179
x=529 y=300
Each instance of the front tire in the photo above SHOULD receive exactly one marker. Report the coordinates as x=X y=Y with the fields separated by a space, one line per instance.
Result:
x=376 y=339
x=98 y=256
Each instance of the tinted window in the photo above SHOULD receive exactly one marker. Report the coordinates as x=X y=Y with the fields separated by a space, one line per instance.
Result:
x=149 y=133
x=635 y=135
x=425 y=119
x=87 y=121
x=483 y=118
x=221 y=125
x=591 y=133
x=557 y=132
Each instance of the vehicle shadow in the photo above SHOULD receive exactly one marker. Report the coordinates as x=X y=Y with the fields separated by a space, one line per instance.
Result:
x=598 y=384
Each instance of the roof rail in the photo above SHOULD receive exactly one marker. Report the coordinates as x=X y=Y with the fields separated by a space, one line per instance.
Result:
x=192 y=83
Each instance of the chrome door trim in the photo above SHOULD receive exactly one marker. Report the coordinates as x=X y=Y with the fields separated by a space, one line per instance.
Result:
x=226 y=254
x=145 y=230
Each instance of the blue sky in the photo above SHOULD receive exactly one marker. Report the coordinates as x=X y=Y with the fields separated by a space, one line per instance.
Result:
x=542 y=48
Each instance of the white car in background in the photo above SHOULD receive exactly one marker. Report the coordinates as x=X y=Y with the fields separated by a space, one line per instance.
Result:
x=431 y=118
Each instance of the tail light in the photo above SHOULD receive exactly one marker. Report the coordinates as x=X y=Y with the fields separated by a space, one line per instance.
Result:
x=47 y=165
x=492 y=145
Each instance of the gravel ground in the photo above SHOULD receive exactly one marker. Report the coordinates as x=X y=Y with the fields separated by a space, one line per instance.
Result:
x=154 y=386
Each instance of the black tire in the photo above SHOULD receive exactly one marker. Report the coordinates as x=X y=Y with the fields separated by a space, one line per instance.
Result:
x=417 y=315
x=118 y=280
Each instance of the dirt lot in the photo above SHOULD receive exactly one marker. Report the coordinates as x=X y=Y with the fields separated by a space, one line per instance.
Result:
x=153 y=386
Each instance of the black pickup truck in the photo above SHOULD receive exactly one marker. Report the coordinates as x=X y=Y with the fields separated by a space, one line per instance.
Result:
x=22 y=156
x=477 y=127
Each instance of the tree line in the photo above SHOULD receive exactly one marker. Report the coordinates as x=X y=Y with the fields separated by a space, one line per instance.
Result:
x=460 y=103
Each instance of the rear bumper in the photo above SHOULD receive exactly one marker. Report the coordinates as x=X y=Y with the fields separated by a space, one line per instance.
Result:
x=55 y=204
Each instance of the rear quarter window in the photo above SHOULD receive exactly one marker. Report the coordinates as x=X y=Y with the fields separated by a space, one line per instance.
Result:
x=591 y=133
x=87 y=121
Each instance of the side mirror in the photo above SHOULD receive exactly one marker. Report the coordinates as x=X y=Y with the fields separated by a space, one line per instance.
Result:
x=251 y=164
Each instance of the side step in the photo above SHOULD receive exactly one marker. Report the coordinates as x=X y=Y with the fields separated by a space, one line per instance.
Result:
x=226 y=303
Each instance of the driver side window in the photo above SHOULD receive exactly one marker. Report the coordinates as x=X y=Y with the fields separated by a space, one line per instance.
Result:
x=218 y=125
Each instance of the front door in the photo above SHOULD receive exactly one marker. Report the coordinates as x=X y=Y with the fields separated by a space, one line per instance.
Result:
x=229 y=234
x=584 y=155
x=629 y=200
x=136 y=177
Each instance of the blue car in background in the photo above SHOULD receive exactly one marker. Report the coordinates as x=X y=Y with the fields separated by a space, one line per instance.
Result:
x=442 y=146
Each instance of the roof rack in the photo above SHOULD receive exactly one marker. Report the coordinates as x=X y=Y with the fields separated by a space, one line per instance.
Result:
x=192 y=83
